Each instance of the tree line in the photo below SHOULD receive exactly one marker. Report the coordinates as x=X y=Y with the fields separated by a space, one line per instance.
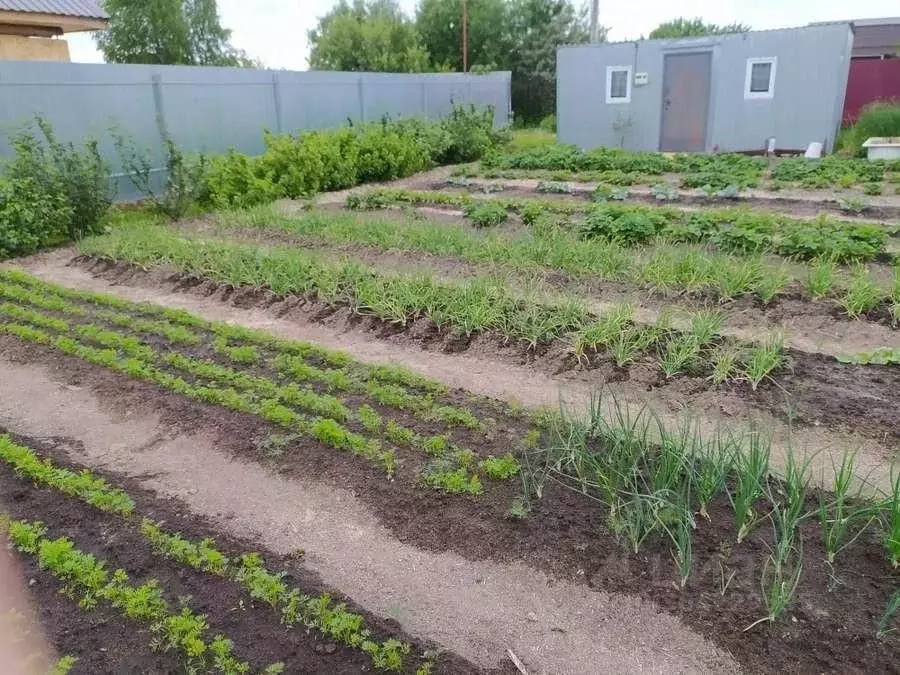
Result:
x=520 y=36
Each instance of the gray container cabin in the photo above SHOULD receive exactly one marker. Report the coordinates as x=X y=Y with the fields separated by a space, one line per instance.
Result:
x=706 y=94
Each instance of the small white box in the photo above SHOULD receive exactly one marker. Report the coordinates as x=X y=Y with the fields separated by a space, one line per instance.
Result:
x=640 y=79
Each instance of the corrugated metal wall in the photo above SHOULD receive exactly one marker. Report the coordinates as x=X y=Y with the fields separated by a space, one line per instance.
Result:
x=214 y=109
x=810 y=83
x=870 y=80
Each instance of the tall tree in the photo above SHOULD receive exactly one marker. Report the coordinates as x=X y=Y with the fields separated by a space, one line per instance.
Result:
x=146 y=31
x=368 y=35
x=682 y=27
x=536 y=29
x=168 y=32
x=517 y=35
x=440 y=23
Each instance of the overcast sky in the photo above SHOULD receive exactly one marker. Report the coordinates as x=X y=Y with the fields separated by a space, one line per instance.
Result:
x=274 y=31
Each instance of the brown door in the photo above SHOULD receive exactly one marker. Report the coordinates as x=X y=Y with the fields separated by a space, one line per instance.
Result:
x=685 y=104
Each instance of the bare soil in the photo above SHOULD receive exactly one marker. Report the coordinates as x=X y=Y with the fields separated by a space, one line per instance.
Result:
x=454 y=570
x=821 y=409
x=98 y=639
x=424 y=559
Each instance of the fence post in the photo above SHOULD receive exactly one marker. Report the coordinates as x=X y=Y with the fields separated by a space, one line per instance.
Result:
x=276 y=95
x=158 y=105
x=424 y=97
x=161 y=126
x=362 y=99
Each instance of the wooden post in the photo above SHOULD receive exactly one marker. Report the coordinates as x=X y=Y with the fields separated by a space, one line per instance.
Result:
x=465 y=27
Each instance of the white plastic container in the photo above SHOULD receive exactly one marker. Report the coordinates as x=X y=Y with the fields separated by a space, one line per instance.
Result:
x=883 y=148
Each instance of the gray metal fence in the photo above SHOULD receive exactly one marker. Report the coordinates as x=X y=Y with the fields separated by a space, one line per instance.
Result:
x=214 y=109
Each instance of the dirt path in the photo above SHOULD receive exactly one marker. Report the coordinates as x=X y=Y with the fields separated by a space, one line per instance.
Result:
x=481 y=371
x=476 y=609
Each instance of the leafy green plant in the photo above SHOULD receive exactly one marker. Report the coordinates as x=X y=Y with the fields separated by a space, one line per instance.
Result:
x=711 y=469
x=64 y=665
x=679 y=354
x=725 y=362
x=873 y=189
x=455 y=481
x=500 y=468
x=555 y=187
x=855 y=205
x=183 y=185
x=202 y=555
x=664 y=192
x=486 y=214
x=772 y=284
x=87 y=487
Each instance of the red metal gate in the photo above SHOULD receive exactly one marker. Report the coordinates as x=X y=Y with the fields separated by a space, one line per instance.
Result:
x=870 y=80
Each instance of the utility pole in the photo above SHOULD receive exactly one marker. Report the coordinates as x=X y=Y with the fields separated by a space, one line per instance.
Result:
x=595 y=15
x=465 y=27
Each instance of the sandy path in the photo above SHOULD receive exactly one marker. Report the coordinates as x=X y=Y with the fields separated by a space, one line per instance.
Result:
x=477 y=609
x=502 y=380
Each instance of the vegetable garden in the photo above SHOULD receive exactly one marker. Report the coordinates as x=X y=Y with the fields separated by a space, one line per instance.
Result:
x=506 y=417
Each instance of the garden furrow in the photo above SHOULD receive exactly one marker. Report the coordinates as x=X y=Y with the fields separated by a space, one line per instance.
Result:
x=226 y=577
x=476 y=609
x=793 y=203
x=301 y=410
x=807 y=390
x=485 y=368
x=807 y=325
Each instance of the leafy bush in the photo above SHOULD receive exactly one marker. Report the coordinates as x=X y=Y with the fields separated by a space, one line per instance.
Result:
x=305 y=164
x=486 y=213
x=384 y=154
x=235 y=180
x=881 y=118
x=185 y=182
x=470 y=133
x=50 y=192
x=84 y=177
x=548 y=124
x=335 y=159
x=622 y=224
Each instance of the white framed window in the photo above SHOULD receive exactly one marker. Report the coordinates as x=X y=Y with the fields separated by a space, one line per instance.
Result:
x=618 y=84
x=760 y=79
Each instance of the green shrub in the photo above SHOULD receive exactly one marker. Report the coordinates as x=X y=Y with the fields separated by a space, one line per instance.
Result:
x=185 y=184
x=470 y=133
x=548 y=124
x=881 y=118
x=235 y=180
x=302 y=165
x=486 y=214
x=50 y=191
x=83 y=176
x=628 y=225
x=34 y=200
x=384 y=154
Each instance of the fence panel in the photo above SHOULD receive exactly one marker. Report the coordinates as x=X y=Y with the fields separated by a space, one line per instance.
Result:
x=214 y=109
